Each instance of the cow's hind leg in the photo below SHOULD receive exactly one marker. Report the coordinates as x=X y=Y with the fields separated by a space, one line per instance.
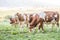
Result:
x=57 y=20
x=57 y=23
x=52 y=26
x=41 y=26
x=57 y=26
x=27 y=25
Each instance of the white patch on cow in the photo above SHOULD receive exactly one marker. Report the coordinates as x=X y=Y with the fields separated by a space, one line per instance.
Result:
x=24 y=17
x=42 y=15
x=34 y=15
x=55 y=15
x=47 y=17
x=28 y=17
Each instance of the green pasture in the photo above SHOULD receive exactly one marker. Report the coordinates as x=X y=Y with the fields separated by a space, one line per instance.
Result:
x=9 y=32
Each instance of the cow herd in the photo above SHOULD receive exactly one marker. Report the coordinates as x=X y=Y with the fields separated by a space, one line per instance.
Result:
x=32 y=20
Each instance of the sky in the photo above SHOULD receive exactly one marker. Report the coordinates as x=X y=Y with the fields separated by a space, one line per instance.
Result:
x=29 y=3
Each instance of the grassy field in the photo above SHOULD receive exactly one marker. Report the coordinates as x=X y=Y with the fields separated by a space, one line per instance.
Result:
x=9 y=32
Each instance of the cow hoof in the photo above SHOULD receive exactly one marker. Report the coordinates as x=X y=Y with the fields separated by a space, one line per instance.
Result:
x=38 y=30
x=29 y=31
x=43 y=31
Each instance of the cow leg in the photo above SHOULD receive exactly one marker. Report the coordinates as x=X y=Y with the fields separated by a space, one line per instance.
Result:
x=31 y=28
x=57 y=23
x=52 y=26
x=14 y=24
x=57 y=20
x=42 y=29
x=27 y=24
x=41 y=26
x=21 y=24
x=57 y=26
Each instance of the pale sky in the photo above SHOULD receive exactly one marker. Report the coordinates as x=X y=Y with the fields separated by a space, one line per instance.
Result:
x=29 y=3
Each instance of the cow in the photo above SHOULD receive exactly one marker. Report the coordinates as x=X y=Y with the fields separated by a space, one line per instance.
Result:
x=37 y=19
x=23 y=19
x=52 y=17
x=43 y=17
x=34 y=20
x=14 y=20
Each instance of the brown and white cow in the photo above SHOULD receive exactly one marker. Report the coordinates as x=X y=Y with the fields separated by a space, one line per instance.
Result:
x=23 y=19
x=34 y=20
x=46 y=16
x=52 y=17
x=38 y=19
x=14 y=20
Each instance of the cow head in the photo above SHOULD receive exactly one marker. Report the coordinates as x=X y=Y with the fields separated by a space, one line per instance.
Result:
x=14 y=20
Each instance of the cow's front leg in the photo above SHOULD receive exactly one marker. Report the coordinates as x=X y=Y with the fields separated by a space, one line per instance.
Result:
x=57 y=26
x=31 y=28
x=42 y=29
x=21 y=24
x=53 y=24
x=41 y=26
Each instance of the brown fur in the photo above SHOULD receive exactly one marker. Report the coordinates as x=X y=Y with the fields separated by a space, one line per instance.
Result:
x=34 y=21
x=51 y=16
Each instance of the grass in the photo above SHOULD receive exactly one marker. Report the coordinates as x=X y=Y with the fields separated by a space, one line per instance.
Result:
x=8 y=32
